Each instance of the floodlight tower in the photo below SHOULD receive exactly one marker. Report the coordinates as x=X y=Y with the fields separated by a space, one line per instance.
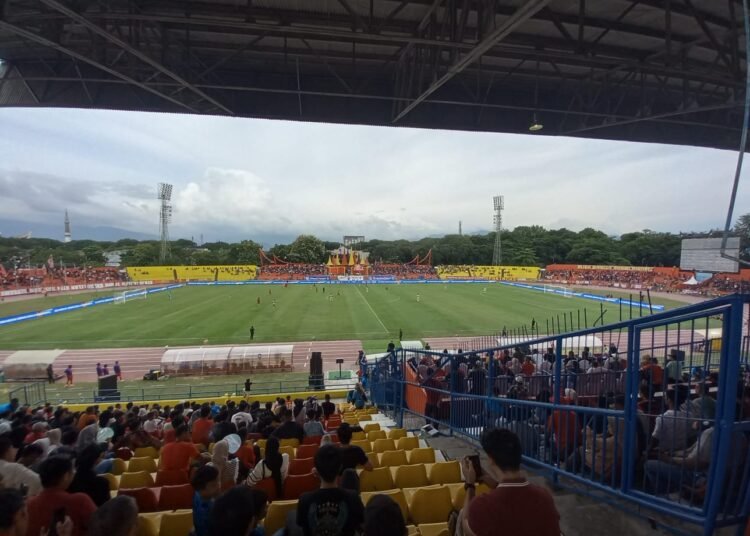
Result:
x=68 y=236
x=497 y=253
x=164 y=194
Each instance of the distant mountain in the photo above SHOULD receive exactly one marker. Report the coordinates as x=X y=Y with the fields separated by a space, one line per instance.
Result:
x=11 y=228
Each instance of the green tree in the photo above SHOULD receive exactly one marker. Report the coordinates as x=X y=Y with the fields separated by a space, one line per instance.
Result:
x=93 y=256
x=246 y=252
x=307 y=249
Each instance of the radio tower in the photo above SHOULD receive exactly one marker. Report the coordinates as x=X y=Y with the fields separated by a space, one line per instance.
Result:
x=68 y=237
x=164 y=194
x=497 y=253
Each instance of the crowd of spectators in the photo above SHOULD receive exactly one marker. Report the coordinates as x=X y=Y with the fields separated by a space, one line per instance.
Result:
x=291 y=271
x=53 y=277
x=676 y=412
x=404 y=271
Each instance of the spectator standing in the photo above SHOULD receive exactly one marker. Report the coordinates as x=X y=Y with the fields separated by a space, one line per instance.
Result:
x=118 y=370
x=526 y=509
x=105 y=370
x=50 y=374
x=432 y=405
x=56 y=475
x=99 y=371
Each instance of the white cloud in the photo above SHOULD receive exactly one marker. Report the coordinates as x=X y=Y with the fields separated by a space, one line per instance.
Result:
x=241 y=178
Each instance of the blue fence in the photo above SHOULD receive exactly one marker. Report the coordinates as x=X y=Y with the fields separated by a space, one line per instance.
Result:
x=653 y=411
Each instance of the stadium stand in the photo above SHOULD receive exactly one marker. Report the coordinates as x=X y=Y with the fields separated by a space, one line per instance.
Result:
x=193 y=273
x=50 y=276
x=496 y=273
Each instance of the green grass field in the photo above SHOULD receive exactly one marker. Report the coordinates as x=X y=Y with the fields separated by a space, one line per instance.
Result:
x=373 y=314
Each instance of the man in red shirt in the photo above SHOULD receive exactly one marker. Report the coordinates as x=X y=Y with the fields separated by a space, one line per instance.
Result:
x=178 y=455
x=202 y=426
x=515 y=506
x=54 y=502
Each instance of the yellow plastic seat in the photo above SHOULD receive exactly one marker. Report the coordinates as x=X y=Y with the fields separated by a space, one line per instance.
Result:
x=146 y=451
x=261 y=443
x=363 y=444
x=444 y=472
x=379 y=479
x=393 y=458
x=366 y=418
x=373 y=457
x=113 y=482
x=145 y=463
x=429 y=504
x=458 y=493
x=118 y=466
x=293 y=442
x=177 y=523
x=381 y=445
x=276 y=516
x=359 y=436
x=211 y=448
x=407 y=443
x=371 y=427
x=148 y=524
x=434 y=529
x=372 y=411
x=424 y=455
x=288 y=450
x=396 y=433
x=395 y=494
x=410 y=476
x=376 y=434
x=140 y=479
x=412 y=530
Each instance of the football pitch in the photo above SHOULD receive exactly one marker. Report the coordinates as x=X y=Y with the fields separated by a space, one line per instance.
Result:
x=373 y=314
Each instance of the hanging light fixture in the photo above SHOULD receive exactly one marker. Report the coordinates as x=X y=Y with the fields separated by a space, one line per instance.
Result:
x=536 y=126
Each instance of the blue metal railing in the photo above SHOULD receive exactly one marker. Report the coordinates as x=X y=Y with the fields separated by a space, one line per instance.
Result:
x=605 y=407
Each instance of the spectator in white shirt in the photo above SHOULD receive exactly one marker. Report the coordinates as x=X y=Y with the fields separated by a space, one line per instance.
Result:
x=672 y=428
x=15 y=475
x=596 y=367
x=242 y=416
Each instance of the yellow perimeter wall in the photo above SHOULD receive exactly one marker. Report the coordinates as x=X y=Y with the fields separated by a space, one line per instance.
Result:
x=507 y=273
x=193 y=273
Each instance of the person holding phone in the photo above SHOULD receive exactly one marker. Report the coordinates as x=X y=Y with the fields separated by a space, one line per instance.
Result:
x=54 y=503
x=525 y=508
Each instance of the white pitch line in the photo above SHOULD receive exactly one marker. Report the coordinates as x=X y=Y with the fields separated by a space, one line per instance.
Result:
x=371 y=309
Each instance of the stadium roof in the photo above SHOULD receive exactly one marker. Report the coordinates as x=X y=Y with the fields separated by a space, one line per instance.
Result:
x=667 y=71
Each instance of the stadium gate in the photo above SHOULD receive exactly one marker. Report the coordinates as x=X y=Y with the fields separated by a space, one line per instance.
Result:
x=612 y=458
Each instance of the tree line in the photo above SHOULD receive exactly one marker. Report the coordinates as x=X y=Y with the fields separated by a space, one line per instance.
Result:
x=525 y=245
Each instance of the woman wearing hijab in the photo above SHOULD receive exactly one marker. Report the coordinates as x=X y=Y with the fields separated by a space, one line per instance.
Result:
x=50 y=443
x=227 y=468
x=86 y=480
x=274 y=465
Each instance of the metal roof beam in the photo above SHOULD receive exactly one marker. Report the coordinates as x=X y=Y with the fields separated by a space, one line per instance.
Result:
x=73 y=54
x=54 y=4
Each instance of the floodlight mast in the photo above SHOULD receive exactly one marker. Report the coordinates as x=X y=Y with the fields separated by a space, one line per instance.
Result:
x=164 y=194
x=499 y=205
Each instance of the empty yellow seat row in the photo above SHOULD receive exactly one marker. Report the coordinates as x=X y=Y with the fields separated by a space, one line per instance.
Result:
x=427 y=505
x=383 y=445
x=410 y=476
x=177 y=523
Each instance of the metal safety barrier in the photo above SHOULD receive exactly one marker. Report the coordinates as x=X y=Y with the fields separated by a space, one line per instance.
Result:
x=654 y=411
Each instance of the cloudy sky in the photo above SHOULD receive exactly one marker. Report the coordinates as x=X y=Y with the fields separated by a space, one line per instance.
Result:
x=271 y=180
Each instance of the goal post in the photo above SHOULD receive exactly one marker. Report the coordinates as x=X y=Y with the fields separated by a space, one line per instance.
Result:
x=559 y=290
x=129 y=295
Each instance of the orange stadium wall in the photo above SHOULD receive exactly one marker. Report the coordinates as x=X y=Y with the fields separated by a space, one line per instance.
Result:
x=416 y=398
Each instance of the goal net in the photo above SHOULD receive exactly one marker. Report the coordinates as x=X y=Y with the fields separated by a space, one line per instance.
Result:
x=129 y=295
x=559 y=290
